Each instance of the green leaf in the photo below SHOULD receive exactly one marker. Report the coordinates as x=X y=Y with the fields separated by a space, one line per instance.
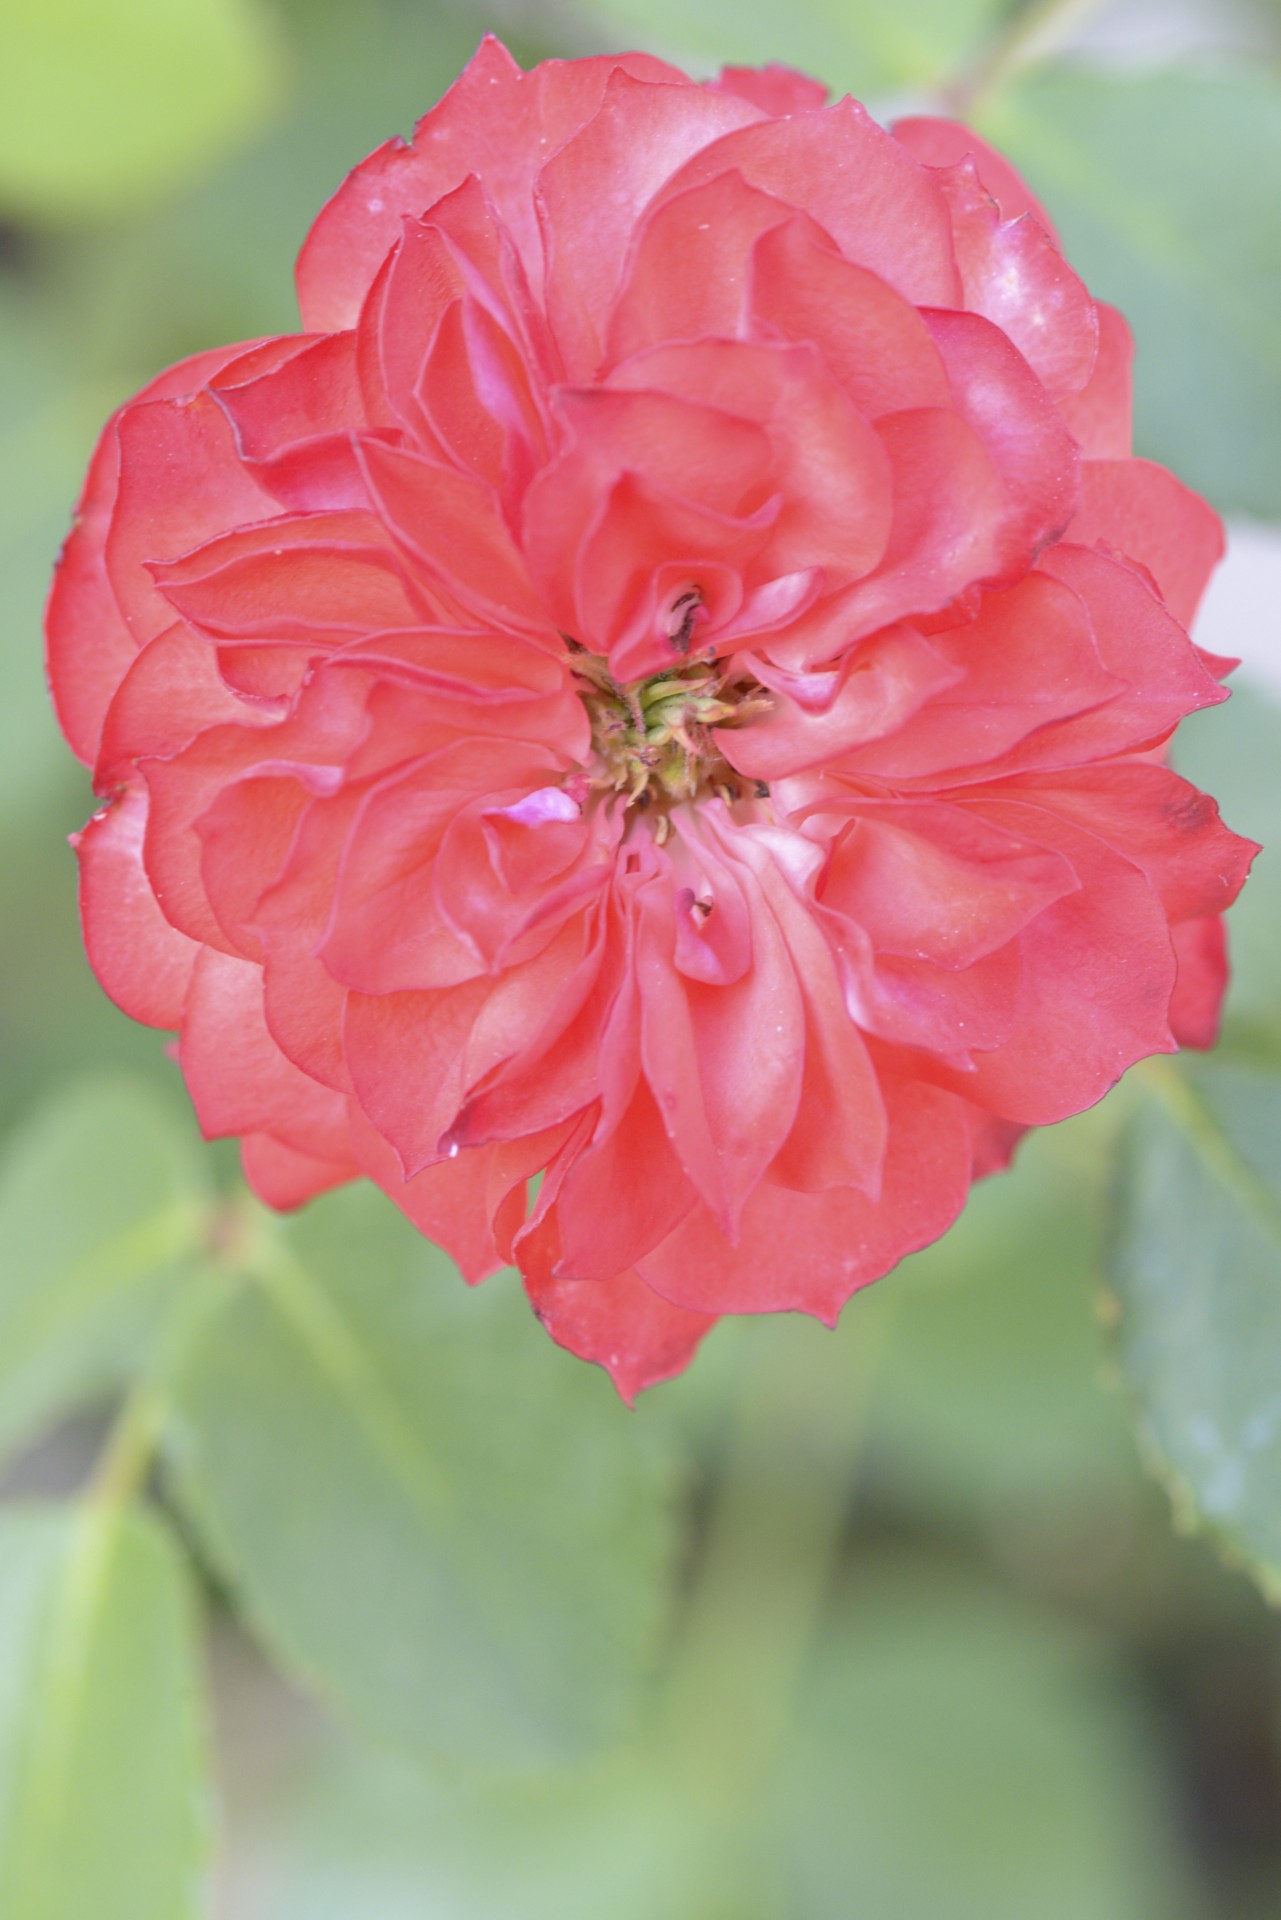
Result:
x=863 y=49
x=1167 y=190
x=102 y=1797
x=450 y=1528
x=105 y=102
x=100 y=1209
x=1195 y=1261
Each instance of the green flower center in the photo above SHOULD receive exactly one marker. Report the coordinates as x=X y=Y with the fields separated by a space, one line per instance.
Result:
x=655 y=740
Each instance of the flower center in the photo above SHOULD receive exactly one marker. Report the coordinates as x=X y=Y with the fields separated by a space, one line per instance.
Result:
x=655 y=740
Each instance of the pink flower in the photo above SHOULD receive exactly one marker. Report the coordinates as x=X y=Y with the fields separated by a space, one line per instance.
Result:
x=661 y=685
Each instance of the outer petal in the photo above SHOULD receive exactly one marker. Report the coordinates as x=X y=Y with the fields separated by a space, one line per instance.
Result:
x=881 y=208
x=142 y=962
x=624 y=1326
x=1099 y=415
x=1097 y=975
x=1145 y=514
x=495 y=121
x=810 y=1251
x=943 y=143
x=1014 y=275
x=450 y=1202
x=89 y=644
x=637 y=140
x=239 y=1080
x=775 y=89
x=1201 y=949
x=284 y=1178
x=1022 y=432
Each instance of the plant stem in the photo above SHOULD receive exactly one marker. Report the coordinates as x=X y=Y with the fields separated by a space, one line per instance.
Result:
x=125 y=1462
x=772 y=1544
x=1033 y=32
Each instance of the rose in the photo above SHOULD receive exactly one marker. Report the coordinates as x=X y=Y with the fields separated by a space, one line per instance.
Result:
x=662 y=686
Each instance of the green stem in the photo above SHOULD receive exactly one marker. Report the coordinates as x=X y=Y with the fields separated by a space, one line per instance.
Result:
x=1034 y=32
x=129 y=1452
x=771 y=1550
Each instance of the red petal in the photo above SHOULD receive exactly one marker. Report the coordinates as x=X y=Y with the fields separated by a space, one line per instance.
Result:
x=773 y=88
x=1160 y=823
x=171 y=692
x=949 y=512
x=449 y=522
x=1200 y=947
x=882 y=209
x=943 y=143
x=872 y=340
x=284 y=1178
x=1141 y=643
x=239 y=1080
x=1014 y=275
x=89 y=646
x=1099 y=416
x=495 y=121
x=406 y=1054
x=140 y=960
x=723 y=1061
x=608 y=1216
x=931 y=881
x=809 y=1252
x=310 y=578
x=1023 y=433
x=1028 y=661
x=449 y=1202
x=1145 y=514
x=686 y=276
x=636 y=141
x=875 y=691
x=622 y=1325
x=1097 y=975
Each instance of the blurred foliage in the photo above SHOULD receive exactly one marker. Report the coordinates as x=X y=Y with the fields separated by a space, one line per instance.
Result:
x=85 y=1285
x=857 y=49
x=102 y=1801
x=430 y=1511
x=1166 y=188
x=917 y=1641
x=957 y=1755
x=101 y=106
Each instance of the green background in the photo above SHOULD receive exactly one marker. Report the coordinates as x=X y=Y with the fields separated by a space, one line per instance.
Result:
x=330 y=1591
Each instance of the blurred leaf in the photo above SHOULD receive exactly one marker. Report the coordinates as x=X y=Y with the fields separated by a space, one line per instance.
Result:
x=100 y=1206
x=1195 y=1259
x=103 y=102
x=448 y=1526
x=956 y=1756
x=1167 y=188
x=102 y=1801
x=989 y=1392
x=860 y=48
x=1232 y=753
x=961 y=1757
x=363 y=1834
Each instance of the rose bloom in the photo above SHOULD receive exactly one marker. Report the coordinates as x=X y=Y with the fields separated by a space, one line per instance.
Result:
x=662 y=685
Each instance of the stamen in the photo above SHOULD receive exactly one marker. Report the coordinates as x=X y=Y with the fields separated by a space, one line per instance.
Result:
x=654 y=741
